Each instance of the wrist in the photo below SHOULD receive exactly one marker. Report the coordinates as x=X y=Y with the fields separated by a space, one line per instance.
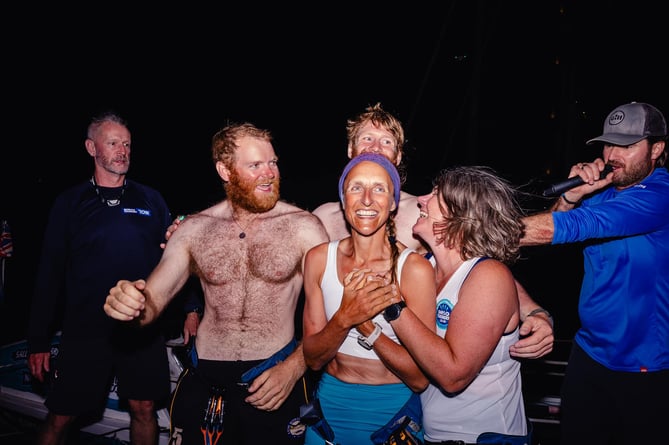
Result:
x=197 y=311
x=538 y=311
x=569 y=201
x=368 y=342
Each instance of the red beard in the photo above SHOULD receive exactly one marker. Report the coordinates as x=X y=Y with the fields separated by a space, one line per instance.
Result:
x=242 y=193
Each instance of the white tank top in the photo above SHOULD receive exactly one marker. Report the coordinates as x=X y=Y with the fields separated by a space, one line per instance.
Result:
x=333 y=290
x=492 y=402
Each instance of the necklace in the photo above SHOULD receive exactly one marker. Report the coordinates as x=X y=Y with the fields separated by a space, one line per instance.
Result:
x=242 y=234
x=110 y=202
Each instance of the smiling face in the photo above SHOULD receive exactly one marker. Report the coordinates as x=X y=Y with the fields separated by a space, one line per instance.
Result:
x=368 y=197
x=375 y=139
x=430 y=213
x=253 y=181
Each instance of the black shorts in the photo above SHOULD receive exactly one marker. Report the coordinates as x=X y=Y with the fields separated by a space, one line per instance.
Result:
x=242 y=423
x=84 y=371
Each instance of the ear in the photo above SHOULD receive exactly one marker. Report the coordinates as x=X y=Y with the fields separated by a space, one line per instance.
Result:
x=398 y=158
x=90 y=147
x=350 y=151
x=393 y=207
x=657 y=149
x=223 y=171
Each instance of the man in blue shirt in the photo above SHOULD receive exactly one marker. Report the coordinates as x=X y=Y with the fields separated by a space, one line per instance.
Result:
x=617 y=379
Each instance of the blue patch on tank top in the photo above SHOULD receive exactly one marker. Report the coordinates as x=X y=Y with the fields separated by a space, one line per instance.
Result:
x=444 y=308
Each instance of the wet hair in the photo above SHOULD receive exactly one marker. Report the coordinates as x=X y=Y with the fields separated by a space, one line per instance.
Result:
x=97 y=121
x=480 y=213
x=380 y=118
x=224 y=142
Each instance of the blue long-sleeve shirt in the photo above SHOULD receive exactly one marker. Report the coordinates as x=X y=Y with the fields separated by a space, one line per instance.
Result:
x=624 y=300
x=87 y=247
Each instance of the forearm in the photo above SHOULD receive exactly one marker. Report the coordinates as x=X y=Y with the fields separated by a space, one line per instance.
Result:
x=154 y=304
x=526 y=303
x=321 y=347
x=398 y=360
x=538 y=229
x=297 y=362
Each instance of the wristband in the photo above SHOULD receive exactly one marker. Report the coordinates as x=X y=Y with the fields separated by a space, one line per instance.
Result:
x=539 y=311
x=368 y=342
x=563 y=196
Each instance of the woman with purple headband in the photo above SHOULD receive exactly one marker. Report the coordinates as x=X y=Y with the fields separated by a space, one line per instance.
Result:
x=354 y=287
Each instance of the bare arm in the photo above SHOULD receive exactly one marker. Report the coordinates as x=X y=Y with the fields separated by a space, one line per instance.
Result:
x=454 y=361
x=539 y=228
x=145 y=300
x=536 y=329
x=418 y=290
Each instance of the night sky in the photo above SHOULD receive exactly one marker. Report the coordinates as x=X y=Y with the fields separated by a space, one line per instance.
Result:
x=519 y=88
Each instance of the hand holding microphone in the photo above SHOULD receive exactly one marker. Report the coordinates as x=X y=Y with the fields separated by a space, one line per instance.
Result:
x=574 y=181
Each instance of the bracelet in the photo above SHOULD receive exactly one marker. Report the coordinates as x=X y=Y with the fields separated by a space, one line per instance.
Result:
x=368 y=342
x=539 y=311
x=563 y=196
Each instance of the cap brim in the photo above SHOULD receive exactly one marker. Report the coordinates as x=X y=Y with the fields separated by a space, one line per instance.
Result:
x=617 y=139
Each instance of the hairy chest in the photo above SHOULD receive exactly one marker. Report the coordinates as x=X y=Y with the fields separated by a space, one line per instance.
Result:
x=269 y=256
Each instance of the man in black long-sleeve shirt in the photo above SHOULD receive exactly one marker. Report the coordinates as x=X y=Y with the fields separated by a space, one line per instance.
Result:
x=99 y=231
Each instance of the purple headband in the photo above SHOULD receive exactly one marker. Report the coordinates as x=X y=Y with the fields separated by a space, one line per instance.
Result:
x=377 y=159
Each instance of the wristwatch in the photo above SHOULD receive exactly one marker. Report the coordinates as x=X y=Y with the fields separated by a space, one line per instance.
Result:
x=393 y=311
x=368 y=342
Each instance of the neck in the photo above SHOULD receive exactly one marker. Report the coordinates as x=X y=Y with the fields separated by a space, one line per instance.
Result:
x=106 y=179
x=448 y=261
x=368 y=249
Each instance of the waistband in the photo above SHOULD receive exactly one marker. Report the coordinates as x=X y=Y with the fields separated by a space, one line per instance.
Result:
x=277 y=357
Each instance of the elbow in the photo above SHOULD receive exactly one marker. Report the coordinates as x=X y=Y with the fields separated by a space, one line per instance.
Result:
x=454 y=385
x=314 y=365
x=312 y=359
x=417 y=385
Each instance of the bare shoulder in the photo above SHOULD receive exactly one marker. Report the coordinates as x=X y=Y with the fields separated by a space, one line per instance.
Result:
x=492 y=266
x=419 y=266
x=203 y=217
x=318 y=251
x=408 y=205
x=297 y=214
x=494 y=273
x=301 y=222
x=327 y=209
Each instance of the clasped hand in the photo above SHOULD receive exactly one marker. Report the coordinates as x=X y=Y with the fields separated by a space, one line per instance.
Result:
x=366 y=294
x=125 y=300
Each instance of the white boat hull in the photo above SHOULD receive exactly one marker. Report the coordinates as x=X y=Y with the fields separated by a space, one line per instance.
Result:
x=19 y=395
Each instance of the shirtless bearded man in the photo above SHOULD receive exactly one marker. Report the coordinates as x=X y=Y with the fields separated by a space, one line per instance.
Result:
x=248 y=252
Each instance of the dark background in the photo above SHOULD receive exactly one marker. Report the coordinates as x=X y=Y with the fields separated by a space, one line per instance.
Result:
x=518 y=86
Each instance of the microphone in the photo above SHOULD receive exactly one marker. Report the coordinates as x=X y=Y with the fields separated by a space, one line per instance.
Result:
x=561 y=187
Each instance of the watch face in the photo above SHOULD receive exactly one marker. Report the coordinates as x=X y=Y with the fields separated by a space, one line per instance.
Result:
x=392 y=312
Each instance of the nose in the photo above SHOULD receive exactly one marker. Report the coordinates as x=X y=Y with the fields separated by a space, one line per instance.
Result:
x=372 y=147
x=367 y=197
x=376 y=147
x=269 y=171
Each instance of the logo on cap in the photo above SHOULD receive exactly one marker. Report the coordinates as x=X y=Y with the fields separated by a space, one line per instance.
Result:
x=617 y=117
